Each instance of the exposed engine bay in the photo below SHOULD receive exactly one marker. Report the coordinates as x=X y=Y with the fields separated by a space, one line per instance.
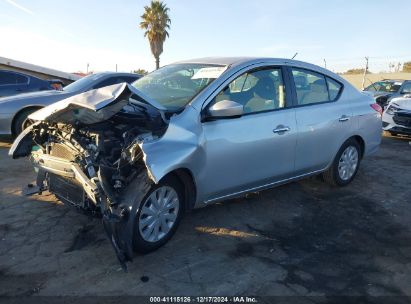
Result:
x=96 y=166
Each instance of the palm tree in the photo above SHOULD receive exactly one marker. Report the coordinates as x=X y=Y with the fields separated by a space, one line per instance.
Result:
x=156 y=22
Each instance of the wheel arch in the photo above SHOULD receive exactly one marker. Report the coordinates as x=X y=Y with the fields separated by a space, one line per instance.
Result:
x=19 y=112
x=186 y=178
x=361 y=142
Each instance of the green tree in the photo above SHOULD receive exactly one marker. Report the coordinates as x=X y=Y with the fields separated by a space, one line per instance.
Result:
x=406 y=67
x=156 y=22
x=141 y=72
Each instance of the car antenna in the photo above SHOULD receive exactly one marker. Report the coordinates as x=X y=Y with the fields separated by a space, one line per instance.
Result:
x=295 y=55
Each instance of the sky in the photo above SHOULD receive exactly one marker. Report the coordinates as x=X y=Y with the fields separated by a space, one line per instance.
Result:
x=68 y=35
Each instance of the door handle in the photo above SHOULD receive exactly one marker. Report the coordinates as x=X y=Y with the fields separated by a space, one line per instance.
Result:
x=344 y=118
x=281 y=129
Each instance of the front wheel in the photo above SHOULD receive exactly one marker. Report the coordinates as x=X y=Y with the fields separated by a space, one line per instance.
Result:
x=158 y=216
x=345 y=165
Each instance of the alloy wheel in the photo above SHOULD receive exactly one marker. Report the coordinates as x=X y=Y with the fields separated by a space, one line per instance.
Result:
x=348 y=163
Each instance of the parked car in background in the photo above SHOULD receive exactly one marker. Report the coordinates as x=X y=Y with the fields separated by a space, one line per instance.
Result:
x=195 y=133
x=14 y=110
x=13 y=83
x=397 y=116
x=384 y=90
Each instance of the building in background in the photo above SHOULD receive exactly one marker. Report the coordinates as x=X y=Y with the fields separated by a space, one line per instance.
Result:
x=38 y=71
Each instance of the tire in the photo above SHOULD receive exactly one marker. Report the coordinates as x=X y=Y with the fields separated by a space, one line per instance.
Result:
x=393 y=133
x=335 y=176
x=143 y=240
x=21 y=122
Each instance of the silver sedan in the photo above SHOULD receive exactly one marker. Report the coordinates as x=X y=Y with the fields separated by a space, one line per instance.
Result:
x=195 y=133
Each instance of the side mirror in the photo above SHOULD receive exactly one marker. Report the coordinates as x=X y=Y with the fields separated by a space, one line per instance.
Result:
x=226 y=109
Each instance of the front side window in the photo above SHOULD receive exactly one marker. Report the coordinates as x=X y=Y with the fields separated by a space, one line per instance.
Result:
x=313 y=87
x=108 y=82
x=83 y=83
x=21 y=79
x=175 y=85
x=260 y=90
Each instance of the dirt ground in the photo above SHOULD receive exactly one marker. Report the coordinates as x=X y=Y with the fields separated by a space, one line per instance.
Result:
x=304 y=238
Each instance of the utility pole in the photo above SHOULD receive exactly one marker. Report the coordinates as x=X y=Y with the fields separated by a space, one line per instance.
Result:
x=365 y=73
x=87 y=68
x=325 y=63
x=116 y=67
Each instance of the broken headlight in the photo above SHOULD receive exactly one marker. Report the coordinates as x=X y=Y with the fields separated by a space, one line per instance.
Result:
x=392 y=110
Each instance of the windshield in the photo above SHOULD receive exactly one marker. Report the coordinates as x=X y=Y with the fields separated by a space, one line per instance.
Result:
x=174 y=86
x=82 y=83
x=384 y=86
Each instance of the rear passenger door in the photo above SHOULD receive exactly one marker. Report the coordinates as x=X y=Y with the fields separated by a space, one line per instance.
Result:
x=323 y=119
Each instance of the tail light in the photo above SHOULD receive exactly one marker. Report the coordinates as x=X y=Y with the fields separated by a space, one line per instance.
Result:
x=376 y=107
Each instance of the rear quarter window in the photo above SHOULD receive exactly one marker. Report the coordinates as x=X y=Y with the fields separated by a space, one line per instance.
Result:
x=334 y=88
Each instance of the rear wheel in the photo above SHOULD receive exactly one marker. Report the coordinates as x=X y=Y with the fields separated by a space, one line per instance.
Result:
x=21 y=121
x=158 y=216
x=345 y=165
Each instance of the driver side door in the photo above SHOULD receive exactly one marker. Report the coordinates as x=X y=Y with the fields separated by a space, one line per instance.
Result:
x=256 y=149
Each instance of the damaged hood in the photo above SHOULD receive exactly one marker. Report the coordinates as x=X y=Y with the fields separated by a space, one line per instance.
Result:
x=93 y=106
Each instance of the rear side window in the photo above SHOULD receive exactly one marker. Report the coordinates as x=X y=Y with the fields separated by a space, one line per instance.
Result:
x=12 y=78
x=334 y=88
x=312 y=87
x=6 y=78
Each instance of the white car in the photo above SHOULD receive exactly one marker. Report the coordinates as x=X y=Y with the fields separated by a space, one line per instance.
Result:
x=396 y=118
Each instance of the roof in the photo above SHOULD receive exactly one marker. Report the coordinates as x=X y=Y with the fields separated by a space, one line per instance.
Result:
x=38 y=69
x=232 y=61
x=219 y=60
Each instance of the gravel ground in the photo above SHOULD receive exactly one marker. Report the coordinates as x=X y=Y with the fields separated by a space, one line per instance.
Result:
x=301 y=239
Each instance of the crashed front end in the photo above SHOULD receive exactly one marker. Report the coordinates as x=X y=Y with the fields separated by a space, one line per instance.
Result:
x=87 y=151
